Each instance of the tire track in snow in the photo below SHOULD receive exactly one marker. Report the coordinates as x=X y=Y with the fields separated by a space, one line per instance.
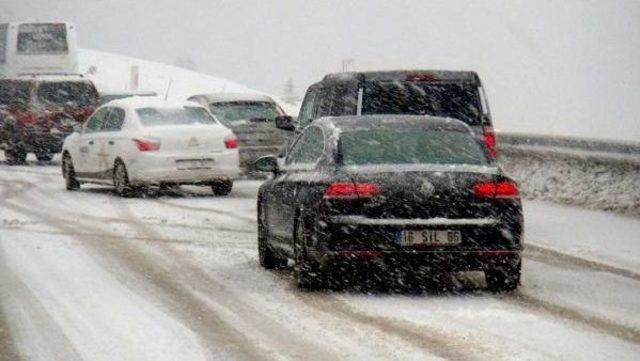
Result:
x=287 y=341
x=54 y=343
x=215 y=333
x=436 y=342
x=557 y=258
x=593 y=322
x=8 y=344
x=251 y=220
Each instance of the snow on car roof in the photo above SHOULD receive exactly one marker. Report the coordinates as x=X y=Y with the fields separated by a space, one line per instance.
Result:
x=136 y=102
x=235 y=97
x=427 y=121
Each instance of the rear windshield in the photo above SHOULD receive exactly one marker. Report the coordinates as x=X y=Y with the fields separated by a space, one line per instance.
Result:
x=68 y=93
x=155 y=117
x=229 y=112
x=14 y=92
x=456 y=100
x=42 y=38
x=410 y=146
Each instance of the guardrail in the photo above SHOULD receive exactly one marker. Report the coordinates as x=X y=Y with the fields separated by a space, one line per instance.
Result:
x=591 y=173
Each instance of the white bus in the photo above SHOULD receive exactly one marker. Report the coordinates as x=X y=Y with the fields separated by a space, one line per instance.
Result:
x=37 y=48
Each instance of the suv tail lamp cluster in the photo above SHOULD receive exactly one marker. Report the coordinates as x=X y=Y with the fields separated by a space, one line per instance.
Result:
x=231 y=142
x=147 y=145
x=347 y=190
x=492 y=190
x=490 y=141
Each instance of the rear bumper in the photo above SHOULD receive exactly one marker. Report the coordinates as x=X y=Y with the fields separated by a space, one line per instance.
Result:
x=433 y=261
x=158 y=168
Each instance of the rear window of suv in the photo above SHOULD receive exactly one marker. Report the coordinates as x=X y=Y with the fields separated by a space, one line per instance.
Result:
x=410 y=146
x=229 y=112
x=68 y=93
x=455 y=100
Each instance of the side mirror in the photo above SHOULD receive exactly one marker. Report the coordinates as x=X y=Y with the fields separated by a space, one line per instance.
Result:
x=285 y=122
x=268 y=163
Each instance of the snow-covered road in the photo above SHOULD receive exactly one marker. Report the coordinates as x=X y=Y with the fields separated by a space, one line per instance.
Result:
x=90 y=276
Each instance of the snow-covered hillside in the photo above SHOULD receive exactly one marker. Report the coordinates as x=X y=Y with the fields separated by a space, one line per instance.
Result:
x=111 y=72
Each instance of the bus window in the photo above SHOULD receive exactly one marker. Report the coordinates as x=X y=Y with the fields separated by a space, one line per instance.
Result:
x=42 y=38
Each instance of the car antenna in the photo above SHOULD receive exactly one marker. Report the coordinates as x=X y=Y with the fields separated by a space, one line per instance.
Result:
x=166 y=94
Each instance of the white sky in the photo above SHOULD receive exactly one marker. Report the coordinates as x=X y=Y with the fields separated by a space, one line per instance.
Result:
x=567 y=67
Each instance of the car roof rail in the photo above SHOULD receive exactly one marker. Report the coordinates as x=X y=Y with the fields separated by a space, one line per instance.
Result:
x=34 y=75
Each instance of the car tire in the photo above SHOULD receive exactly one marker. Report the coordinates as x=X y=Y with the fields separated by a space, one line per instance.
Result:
x=121 y=180
x=15 y=156
x=69 y=174
x=267 y=258
x=44 y=156
x=504 y=278
x=222 y=188
x=307 y=275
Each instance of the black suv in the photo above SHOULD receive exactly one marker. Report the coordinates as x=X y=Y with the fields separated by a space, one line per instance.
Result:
x=454 y=94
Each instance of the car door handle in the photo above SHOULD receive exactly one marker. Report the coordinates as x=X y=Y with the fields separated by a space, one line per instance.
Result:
x=91 y=142
x=111 y=142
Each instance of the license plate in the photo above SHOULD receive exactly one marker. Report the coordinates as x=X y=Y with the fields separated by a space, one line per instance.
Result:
x=195 y=164
x=411 y=237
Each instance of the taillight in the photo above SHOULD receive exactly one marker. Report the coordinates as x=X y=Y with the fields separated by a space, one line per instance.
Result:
x=346 y=190
x=231 y=142
x=495 y=190
x=147 y=145
x=490 y=142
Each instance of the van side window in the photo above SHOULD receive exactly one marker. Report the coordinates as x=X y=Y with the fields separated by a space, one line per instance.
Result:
x=307 y=109
x=345 y=99
x=323 y=101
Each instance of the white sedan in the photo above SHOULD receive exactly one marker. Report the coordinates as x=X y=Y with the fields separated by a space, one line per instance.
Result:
x=133 y=143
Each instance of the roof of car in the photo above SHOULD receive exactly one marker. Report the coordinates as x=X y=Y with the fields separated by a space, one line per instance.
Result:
x=150 y=102
x=235 y=97
x=419 y=75
x=364 y=121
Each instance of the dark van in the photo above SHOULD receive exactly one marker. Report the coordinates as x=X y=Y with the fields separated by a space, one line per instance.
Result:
x=453 y=94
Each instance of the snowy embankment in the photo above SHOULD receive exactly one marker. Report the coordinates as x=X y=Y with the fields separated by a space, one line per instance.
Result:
x=593 y=174
x=112 y=72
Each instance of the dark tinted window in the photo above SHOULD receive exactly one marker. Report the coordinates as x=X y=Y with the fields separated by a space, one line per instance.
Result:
x=154 y=117
x=14 y=92
x=455 y=100
x=42 y=38
x=309 y=148
x=229 y=112
x=410 y=146
x=94 y=123
x=344 y=99
x=3 y=42
x=68 y=92
x=114 y=120
x=307 y=109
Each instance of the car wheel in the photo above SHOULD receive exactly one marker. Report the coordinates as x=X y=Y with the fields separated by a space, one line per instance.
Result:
x=44 y=156
x=308 y=276
x=222 y=188
x=15 y=156
x=503 y=279
x=121 y=180
x=69 y=174
x=265 y=255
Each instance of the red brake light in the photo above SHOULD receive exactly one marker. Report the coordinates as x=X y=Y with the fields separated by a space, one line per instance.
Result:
x=146 y=145
x=231 y=142
x=421 y=77
x=345 y=190
x=490 y=142
x=496 y=190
